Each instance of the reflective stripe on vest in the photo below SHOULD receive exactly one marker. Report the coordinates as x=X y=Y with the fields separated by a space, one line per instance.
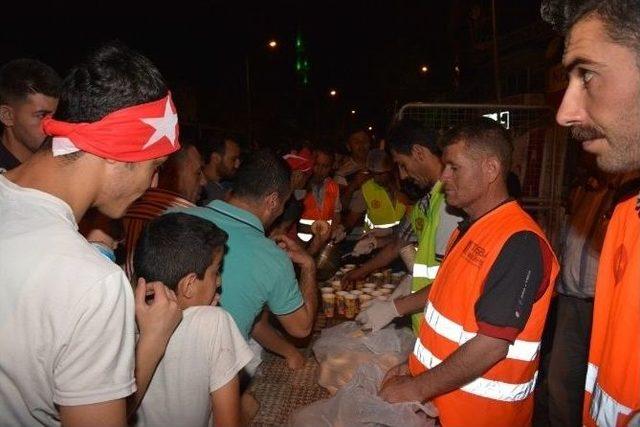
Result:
x=423 y=270
x=497 y=390
x=520 y=350
x=305 y=237
x=370 y=224
x=604 y=408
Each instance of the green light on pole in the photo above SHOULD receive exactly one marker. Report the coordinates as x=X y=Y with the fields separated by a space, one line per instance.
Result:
x=303 y=65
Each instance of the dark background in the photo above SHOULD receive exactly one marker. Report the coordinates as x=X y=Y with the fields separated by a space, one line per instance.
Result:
x=369 y=51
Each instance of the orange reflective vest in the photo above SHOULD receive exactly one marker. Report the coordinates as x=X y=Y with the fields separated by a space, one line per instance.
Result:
x=312 y=212
x=502 y=396
x=612 y=387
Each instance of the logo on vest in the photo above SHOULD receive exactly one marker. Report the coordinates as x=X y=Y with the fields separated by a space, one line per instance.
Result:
x=376 y=204
x=419 y=224
x=474 y=253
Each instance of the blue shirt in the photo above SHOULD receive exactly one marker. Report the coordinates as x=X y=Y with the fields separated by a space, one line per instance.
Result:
x=255 y=270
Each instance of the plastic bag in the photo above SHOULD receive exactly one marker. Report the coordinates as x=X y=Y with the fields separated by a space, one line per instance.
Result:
x=358 y=404
x=342 y=349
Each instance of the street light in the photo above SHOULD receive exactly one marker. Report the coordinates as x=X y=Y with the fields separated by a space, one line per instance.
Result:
x=370 y=128
x=333 y=92
x=424 y=69
x=353 y=112
x=273 y=44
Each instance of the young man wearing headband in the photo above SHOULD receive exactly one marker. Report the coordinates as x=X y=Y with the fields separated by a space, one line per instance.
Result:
x=67 y=313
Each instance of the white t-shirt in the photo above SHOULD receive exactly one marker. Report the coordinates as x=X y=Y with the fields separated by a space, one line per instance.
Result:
x=67 y=320
x=204 y=353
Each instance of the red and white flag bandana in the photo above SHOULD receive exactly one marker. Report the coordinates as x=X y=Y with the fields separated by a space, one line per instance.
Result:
x=132 y=134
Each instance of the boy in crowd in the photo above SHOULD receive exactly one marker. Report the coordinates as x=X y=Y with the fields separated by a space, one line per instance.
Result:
x=198 y=374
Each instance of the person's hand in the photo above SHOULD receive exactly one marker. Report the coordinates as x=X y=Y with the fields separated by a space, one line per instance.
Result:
x=377 y=315
x=401 y=388
x=400 y=369
x=158 y=317
x=353 y=276
x=404 y=287
x=365 y=245
x=295 y=360
x=297 y=254
x=321 y=230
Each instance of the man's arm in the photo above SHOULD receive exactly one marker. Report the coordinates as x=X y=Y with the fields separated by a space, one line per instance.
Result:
x=225 y=404
x=156 y=322
x=413 y=303
x=270 y=339
x=103 y=414
x=382 y=259
x=467 y=363
x=300 y=323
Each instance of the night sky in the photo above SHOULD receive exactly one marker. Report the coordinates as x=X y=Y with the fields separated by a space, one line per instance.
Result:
x=369 y=51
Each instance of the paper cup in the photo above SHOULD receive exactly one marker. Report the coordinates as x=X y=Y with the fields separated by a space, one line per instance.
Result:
x=387 y=275
x=376 y=294
x=396 y=277
x=389 y=286
x=328 y=304
x=369 y=285
x=349 y=266
x=364 y=300
x=350 y=306
x=336 y=285
x=326 y=290
x=340 y=302
x=359 y=284
x=385 y=291
x=378 y=279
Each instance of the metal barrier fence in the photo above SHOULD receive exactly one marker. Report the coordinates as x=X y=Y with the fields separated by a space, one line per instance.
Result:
x=539 y=151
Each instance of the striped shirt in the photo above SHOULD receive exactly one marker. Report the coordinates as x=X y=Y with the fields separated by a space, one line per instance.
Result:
x=153 y=203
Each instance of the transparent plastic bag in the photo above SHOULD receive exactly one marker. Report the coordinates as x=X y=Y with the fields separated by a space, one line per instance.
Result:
x=342 y=349
x=358 y=404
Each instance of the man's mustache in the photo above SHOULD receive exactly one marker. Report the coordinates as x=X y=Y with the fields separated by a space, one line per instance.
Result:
x=584 y=133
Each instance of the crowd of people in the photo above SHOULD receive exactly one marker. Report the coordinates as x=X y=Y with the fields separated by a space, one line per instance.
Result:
x=143 y=274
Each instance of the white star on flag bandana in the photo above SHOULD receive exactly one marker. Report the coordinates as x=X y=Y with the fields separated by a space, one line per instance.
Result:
x=164 y=126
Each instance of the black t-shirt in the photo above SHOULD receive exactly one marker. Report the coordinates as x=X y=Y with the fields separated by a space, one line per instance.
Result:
x=518 y=278
x=7 y=160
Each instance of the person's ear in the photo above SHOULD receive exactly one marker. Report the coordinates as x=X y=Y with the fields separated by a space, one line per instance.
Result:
x=272 y=201
x=492 y=168
x=418 y=151
x=187 y=286
x=7 y=115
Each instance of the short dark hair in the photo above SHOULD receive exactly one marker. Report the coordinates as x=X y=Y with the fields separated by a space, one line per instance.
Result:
x=620 y=17
x=22 y=77
x=208 y=145
x=407 y=133
x=111 y=78
x=174 y=245
x=486 y=136
x=262 y=174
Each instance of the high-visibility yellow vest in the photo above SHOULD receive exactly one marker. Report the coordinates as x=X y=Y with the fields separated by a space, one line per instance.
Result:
x=382 y=212
x=425 y=224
